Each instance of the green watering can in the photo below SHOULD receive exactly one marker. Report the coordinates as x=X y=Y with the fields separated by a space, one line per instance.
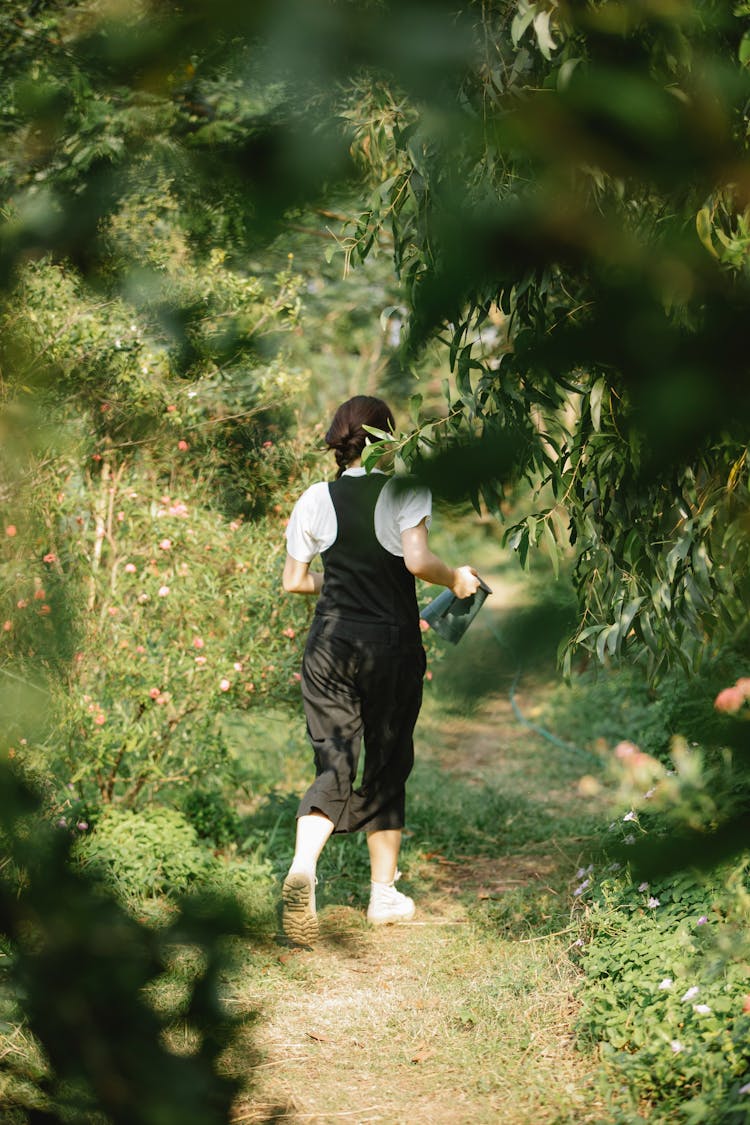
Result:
x=450 y=616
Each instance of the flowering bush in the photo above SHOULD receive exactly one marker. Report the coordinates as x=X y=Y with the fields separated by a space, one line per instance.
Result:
x=178 y=617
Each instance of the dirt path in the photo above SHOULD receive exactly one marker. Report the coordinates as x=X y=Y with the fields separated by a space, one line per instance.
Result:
x=466 y=1014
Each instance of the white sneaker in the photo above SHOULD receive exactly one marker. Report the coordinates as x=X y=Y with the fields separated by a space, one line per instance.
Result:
x=299 y=919
x=387 y=905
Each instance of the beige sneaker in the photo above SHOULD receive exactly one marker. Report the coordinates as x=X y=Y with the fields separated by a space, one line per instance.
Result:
x=299 y=920
x=387 y=905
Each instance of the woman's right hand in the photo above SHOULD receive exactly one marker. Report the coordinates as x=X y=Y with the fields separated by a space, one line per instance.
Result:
x=465 y=582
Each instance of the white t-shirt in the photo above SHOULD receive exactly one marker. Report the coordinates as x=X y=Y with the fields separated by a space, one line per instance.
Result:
x=313 y=528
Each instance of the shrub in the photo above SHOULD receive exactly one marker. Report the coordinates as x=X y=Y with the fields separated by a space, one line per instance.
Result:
x=147 y=853
x=662 y=997
x=211 y=815
x=666 y=981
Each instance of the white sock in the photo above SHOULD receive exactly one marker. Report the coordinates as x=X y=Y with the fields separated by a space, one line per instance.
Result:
x=301 y=866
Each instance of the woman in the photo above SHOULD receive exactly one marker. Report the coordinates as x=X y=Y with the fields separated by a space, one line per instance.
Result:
x=364 y=662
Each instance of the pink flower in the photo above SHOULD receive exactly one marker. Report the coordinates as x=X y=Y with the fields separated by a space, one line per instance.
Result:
x=624 y=750
x=11 y=530
x=100 y=719
x=268 y=445
x=289 y=632
x=237 y=666
x=161 y=699
x=112 y=610
x=729 y=700
x=50 y=557
x=154 y=692
x=39 y=594
x=7 y=626
x=224 y=685
x=171 y=408
x=130 y=568
x=21 y=603
x=428 y=675
x=120 y=517
x=200 y=660
x=166 y=545
x=198 y=642
x=82 y=826
x=296 y=677
x=163 y=591
x=423 y=625
x=182 y=445
x=44 y=610
x=140 y=649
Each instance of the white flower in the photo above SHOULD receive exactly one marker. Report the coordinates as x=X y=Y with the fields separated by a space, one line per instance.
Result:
x=630 y=816
x=676 y=1046
x=653 y=903
x=643 y=887
x=649 y=793
x=691 y=993
x=665 y=984
x=701 y=1009
x=629 y=839
x=744 y=1089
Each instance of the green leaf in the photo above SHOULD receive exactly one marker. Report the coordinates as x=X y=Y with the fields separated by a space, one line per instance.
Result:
x=565 y=73
x=704 y=228
x=543 y=34
x=595 y=402
x=521 y=20
x=552 y=548
x=744 y=49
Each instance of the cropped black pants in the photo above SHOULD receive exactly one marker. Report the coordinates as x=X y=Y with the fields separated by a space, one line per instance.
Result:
x=361 y=683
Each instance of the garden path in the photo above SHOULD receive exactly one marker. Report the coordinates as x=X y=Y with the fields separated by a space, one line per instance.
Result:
x=466 y=1015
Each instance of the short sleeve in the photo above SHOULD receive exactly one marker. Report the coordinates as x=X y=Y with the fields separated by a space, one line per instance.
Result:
x=312 y=524
x=399 y=507
x=415 y=505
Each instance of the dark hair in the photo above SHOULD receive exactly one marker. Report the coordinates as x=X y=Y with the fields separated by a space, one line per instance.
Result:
x=346 y=435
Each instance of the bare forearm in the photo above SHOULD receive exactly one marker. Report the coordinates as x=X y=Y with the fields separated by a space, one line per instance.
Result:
x=424 y=563
x=430 y=568
x=299 y=579
x=312 y=584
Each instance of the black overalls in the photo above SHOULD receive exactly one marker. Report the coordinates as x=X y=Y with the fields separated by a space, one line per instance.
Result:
x=362 y=670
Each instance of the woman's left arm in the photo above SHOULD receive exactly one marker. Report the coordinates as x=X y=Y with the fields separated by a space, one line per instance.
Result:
x=299 y=579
